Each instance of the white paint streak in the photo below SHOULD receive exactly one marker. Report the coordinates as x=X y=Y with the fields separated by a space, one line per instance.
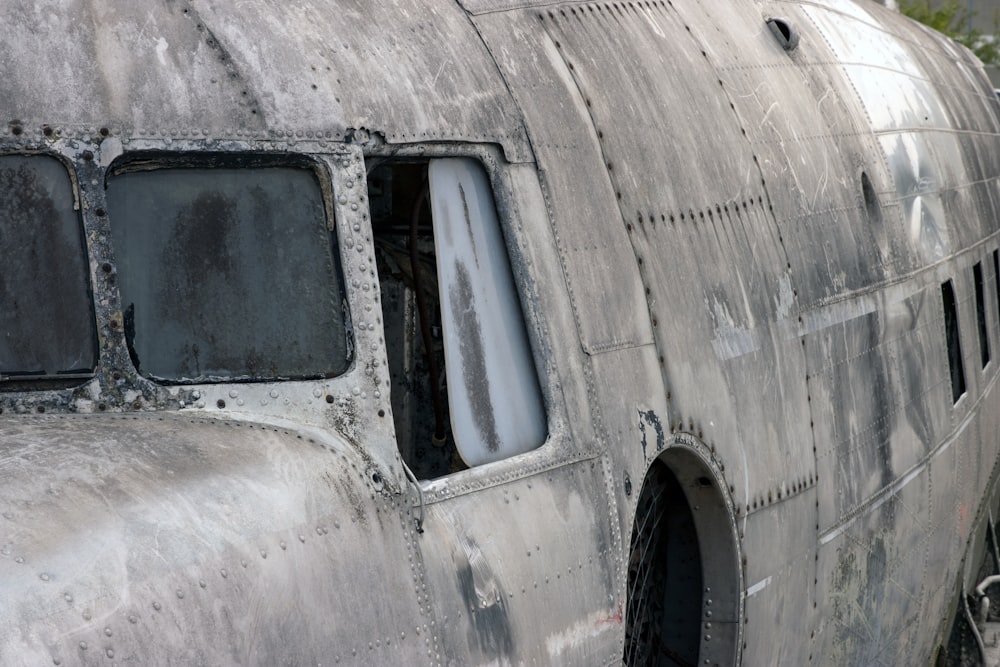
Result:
x=161 y=50
x=836 y=313
x=758 y=587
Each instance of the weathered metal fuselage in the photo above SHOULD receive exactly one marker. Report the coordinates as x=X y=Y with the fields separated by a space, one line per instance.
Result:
x=755 y=247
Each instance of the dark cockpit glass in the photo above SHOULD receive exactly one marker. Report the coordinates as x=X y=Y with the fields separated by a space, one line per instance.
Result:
x=47 y=328
x=228 y=270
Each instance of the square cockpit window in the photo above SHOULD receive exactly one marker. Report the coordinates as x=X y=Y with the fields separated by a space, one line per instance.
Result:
x=228 y=269
x=47 y=328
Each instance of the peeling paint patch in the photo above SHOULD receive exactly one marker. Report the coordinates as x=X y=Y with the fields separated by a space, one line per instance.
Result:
x=649 y=418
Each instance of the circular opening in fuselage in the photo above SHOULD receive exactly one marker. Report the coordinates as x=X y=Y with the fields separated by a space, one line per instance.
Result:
x=684 y=573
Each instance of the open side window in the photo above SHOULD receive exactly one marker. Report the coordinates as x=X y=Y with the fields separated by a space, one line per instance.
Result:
x=464 y=386
x=48 y=335
x=955 y=359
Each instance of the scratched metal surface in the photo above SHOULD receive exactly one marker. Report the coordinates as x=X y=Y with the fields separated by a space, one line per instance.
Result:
x=817 y=364
x=195 y=541
x=729 y=257
x=184 y=67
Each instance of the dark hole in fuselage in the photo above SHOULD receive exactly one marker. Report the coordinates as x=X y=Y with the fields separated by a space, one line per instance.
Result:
x=783 y=33
x=665 y=576
x=782 y=27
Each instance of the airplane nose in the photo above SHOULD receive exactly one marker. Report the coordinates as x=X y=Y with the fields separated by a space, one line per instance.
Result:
x=207 y=541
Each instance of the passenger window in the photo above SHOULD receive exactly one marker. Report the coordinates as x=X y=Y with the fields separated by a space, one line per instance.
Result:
x=464 y=386
x=996 y=277
x=984 y=340
x=47 y=330
x=954 y=341
x=228 y=269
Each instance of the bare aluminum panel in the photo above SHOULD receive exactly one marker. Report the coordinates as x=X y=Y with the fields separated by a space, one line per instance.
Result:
x=201 y=68
x=598 y=263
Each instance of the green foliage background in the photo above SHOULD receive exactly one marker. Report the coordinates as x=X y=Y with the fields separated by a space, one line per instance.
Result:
x=952 y=19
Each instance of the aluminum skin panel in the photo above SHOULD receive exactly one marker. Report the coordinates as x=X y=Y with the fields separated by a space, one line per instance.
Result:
x=848 y=279
x=598 y=263
x=184 y=68
x=205 y=541
x=813 y=144
x=892 y=393
x=931 y=109
x=780 y=543
x=874 y=579
x=701 y=217
x=525 y=556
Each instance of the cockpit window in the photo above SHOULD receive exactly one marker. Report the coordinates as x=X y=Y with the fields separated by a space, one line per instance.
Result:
x=465 y=390
x=47 y=329
x=228 y=270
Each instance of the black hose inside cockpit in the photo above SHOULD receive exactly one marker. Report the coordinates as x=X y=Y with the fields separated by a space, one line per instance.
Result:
x=425 y=323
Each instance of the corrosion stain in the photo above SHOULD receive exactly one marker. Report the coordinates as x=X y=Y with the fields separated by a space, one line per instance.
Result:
x=649 y=418
x=472 y=350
